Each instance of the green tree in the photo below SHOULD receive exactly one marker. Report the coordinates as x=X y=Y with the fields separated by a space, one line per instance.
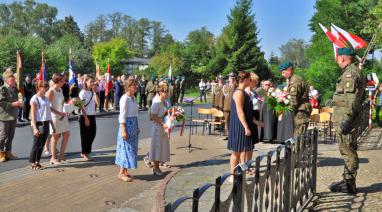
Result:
x=57 y=56
x=295 y=50
x=114 y=51
x=240 y=45
x=174 y=56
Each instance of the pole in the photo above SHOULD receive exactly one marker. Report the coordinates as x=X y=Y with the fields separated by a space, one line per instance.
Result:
x=371 y=107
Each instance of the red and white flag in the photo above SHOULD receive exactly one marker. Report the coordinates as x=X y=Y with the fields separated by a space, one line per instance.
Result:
x=354 y=40
x=332 y=38
x=109 y=84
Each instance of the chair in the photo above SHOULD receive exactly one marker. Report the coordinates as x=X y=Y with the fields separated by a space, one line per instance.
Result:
x=315 y=111
x=326 y=110
x=219 y=115
x=314 y=120
x=324 y=123
x=201 y=112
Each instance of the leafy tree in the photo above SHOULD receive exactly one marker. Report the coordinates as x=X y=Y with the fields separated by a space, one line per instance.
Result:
x=239 y=44
x=70 y=26
x=114 y=51
x=373 y=24
x=294 y=50
x=142 y=35
x=174 y=56
x=30 y=53
x=57 y=56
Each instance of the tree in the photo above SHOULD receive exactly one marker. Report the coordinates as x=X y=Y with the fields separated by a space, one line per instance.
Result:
x=174 y=56
x=373 y=24
x=158 y=33
x=114 y=51
x=239 y=45
x=57 y=56
x=70 y=26
x=295 y=50
x=142 y=35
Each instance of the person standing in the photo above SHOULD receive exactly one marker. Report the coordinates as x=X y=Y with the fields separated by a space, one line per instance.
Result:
x=60 y=126
x=299 y=101
x=127 y=143
x=101 y=89
x=9 y=106
x=202 y=89
x=347 y=100
x=117 y=92
x=88 y=126
x=151 y=90
x=41 y=118
x=242 y=128
x=159 y=147
x=378 y=104
x=29 y=91
x=267 y=114
x=142 y=93
x=182 y=88
x=228 y=92
x=177 y=89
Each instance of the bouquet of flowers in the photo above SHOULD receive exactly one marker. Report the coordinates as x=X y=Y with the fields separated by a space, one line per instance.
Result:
x=73 y=104
x=174 y=115
x=279 y=101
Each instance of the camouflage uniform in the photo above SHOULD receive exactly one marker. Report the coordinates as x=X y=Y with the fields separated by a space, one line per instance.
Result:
x=347 y=102
x=228 y=89
x=299 y=92
x=150 y=92
x=218 y=94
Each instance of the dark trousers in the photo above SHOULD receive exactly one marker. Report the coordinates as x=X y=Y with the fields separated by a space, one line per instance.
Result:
x=101 y=100
x=116 y=101
x=7 y=132
x=20 y=113
x=181 y=97
x=27 y=107
x=39 y=142
x=143 y=99
x=87 y=134
x=203 y=95
x=377 y=109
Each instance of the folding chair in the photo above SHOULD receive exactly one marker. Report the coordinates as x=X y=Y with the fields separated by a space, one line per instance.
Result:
x=220 y=116
x=201 y=112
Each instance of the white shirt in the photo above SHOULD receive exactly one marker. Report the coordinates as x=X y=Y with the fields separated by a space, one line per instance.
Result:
x=202 y=86
x=43 y=112
x=88 y=98
x=128 y=107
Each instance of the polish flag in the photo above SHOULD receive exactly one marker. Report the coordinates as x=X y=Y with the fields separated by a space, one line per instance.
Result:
x=354 y=40
x=336 y=35
x=332 y=38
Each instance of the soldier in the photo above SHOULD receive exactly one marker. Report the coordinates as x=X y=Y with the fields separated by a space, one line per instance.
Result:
x=177 y=89
x=299 y=92
x=218 y=92
x=142 y=93
x=347 y=101
x=182 y=87
x=228 y=90
x=151 y=90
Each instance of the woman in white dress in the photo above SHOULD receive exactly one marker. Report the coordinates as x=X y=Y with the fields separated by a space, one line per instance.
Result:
x=159 y=147
x=59 y=118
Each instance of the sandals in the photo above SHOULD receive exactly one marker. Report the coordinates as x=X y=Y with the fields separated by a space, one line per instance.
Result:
x=165 y=165
x=147 y=162
x=37 y=166
x=125 y=178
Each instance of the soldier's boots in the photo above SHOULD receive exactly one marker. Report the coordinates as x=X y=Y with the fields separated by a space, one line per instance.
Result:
x=344 y=186
x=10 y=156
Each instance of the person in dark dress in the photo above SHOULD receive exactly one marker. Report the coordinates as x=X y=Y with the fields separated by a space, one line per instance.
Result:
x=267 y=115
x=241 y=129
x=29 y=91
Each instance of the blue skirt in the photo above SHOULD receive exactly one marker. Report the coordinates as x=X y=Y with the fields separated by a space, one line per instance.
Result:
x=127 y=150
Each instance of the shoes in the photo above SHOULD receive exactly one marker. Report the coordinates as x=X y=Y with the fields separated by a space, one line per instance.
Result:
x=344 y=187
x=158 y=172
x=164 y=165
x=27 y=119
x=125 y=178
x=54 y=162
x=10 y=156
x=37 y=166
x=20 y=120
x=147 y=162
x=226 y=139
x=2 y=157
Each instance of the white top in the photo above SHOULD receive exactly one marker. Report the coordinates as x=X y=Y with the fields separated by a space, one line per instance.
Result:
x=57 y=102
x=157 y=99
x=202 y=86
x=88 y=97
x=43 y=112
x=128 y=107
x=255 y=101
x=159 y=108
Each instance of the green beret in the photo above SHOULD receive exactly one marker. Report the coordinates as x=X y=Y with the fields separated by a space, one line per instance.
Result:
x=285 y=65
x=153 y=77
x=7 y=73
x=346 y=51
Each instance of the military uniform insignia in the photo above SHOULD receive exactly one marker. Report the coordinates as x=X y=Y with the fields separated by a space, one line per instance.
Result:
x=349 y=76
x=292 y=89
x=348 y=84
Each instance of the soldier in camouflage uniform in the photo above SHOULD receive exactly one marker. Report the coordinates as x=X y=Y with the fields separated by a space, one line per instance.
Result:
x=299 y=101
x=151 y=90
x=347 y=101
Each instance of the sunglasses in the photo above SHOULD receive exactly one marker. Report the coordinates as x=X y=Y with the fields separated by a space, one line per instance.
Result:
x=267 y=84
x=164 y=91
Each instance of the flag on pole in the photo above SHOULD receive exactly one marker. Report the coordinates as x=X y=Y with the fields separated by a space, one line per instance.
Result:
x=42 y=75
x=72 y=78
x=354 y=40
x=98 y=72
x=169 y=75
x=109 y=84
x=332 y=38
x=19 y=81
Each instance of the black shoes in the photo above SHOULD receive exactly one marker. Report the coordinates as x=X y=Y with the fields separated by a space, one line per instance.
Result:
x=344 y=187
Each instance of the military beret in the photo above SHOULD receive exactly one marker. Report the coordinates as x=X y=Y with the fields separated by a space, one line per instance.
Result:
x=153 y=77
x=7 y=73
x=285 y=65
x=232 y=74
x=346 y=51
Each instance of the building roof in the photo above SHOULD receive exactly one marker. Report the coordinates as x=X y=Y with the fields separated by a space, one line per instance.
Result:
x=138 y=60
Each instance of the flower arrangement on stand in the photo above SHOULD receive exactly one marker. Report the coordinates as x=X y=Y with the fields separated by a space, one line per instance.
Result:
x=279 y=101
x=174 y=115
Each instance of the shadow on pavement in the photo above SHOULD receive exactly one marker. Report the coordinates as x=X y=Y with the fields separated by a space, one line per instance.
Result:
x=331 y=161
x=328 y=201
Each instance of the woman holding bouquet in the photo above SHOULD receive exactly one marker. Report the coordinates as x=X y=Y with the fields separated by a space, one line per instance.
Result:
x=88 y=126
x=41 y=117
x=127 y=144
x=242 y=128
x=159 y=147
x=60 y=121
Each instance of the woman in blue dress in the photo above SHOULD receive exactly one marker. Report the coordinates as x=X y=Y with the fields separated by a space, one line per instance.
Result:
x=241 y=126
x=127 y=144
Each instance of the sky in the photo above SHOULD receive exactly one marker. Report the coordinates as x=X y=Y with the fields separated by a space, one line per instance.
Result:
x=277 y=20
